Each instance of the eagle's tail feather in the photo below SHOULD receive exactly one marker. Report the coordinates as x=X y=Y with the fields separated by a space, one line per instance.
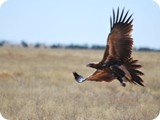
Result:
x=132 y=66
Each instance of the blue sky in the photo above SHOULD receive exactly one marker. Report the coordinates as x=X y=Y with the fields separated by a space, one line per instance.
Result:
x=76 y=21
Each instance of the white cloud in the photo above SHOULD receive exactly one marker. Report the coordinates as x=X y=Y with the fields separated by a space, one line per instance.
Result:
x=158 y=2
x=2 y=2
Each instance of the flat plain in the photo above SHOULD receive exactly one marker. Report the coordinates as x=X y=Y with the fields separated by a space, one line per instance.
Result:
x=37 y=84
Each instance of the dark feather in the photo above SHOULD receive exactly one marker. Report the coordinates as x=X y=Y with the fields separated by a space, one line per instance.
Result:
x=117 y=15
x=121 y=15
x=138 y=80
x=137 y=72
x=135 y=66
x=132 y=66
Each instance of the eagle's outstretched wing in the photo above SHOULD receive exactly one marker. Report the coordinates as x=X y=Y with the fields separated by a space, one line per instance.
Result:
x=119 y=42
x=99 y=75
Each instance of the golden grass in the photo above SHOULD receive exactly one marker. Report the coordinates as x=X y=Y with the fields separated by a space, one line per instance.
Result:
x=37 y=84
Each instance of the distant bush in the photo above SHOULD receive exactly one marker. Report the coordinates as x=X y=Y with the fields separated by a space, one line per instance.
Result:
x=145 y=49
x=2 y=43
x=98 y=47
x=56 y=46
x=24 y=44
x=37 y=45
x=74 y=46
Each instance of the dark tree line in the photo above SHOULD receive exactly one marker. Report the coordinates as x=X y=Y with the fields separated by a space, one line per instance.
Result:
x=71 y=46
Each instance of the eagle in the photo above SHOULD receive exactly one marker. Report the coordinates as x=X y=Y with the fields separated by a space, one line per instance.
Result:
x=117 y=62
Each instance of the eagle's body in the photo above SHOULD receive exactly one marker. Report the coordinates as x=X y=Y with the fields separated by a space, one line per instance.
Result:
x=117 y=62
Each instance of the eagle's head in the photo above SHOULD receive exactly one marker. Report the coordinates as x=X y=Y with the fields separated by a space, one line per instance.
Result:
x=91 y=65
x=94 y=65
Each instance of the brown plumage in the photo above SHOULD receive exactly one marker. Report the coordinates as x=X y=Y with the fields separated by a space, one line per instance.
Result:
x=117 y=62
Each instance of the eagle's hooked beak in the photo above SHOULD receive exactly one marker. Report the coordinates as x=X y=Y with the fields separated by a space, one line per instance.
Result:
x=90 y=65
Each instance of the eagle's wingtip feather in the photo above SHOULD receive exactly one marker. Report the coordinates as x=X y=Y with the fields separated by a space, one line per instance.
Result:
x=78 y=77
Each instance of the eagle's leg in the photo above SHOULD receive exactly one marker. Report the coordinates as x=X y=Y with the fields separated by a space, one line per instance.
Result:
x=119 y=77
x=119 y=74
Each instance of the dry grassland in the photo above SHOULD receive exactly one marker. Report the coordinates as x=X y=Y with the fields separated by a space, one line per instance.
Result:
x=37 y=84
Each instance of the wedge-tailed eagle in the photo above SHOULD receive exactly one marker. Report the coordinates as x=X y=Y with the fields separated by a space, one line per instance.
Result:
x=117 y=62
